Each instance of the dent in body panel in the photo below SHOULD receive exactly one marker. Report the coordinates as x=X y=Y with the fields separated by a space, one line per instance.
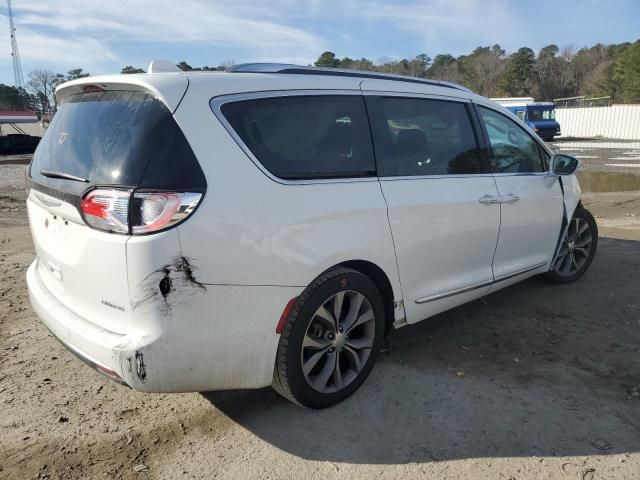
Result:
x=168 y=282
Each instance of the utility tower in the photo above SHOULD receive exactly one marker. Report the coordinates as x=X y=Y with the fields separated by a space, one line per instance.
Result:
x=18 y=79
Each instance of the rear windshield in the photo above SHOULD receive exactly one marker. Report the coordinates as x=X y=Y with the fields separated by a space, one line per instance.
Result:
x=305 y=137
x=119 y=138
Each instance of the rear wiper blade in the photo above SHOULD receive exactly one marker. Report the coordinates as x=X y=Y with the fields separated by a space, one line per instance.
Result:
x=65 y=176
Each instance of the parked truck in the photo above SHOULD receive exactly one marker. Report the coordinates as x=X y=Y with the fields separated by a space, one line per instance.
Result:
x=539 y=116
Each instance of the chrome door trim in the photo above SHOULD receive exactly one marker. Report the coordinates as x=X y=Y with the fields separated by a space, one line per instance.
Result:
x=502 y=278
x=451 y=293
x=475 y=286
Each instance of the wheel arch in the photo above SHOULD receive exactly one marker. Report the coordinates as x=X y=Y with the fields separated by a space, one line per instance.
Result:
x=381 y=280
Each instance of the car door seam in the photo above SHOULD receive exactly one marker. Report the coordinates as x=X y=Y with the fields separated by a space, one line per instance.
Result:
x=393 y=243
x=495 y=249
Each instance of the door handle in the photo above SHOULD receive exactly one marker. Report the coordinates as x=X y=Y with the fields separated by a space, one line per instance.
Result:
x=509 y=198
x=489 y=200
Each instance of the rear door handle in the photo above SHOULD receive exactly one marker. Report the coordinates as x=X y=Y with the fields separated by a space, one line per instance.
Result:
x=509 y=198
x=489 y=200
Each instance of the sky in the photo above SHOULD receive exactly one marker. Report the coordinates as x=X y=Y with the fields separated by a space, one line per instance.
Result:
x=103 y=36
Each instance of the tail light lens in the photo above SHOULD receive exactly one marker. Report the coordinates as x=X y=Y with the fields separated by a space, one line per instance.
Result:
x=151 y=212
x=107 y=210
x=137 y=213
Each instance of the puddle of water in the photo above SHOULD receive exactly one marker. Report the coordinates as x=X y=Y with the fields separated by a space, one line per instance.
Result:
x=608 y=182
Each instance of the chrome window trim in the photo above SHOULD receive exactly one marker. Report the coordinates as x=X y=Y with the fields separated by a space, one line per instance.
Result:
x=217 y=102
x=475 y=286
x=461 y=175
x=416 y=95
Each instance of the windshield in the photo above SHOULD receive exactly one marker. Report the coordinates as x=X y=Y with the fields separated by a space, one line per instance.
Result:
x=541 y=113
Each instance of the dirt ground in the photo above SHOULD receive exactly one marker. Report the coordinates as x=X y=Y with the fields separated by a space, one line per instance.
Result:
x=534 y=382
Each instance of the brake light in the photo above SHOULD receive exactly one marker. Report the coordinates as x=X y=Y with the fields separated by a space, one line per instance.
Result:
x=106 y=210
x=92 y=88
x=124 y=211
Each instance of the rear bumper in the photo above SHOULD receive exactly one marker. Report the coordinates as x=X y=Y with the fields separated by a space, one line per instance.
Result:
x=97 y=347
x=222 y=338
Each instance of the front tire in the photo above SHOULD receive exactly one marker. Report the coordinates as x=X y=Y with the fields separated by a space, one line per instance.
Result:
x=331 y=339
x=577 y=248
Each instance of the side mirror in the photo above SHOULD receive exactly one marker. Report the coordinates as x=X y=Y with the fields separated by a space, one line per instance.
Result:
x=562 y=164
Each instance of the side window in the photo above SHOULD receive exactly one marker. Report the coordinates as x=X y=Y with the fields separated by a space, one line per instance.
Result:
x=424 y=137
x=513 y=149
x=304 y=137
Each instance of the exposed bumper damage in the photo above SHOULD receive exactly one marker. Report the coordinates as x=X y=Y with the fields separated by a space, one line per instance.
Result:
x=199 y=337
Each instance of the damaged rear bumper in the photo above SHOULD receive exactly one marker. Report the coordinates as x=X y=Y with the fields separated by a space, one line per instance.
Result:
x=212 y=338
x=97 y=347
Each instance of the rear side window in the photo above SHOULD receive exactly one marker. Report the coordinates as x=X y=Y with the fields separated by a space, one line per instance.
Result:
x=119 y=138
x=513 y=150
x=306 y=137
x=424 y=137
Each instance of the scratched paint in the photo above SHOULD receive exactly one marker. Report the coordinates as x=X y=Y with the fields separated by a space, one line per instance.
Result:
x=165 y=282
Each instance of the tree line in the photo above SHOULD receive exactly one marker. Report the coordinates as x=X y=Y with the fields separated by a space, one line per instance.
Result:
x=601 y=70
x=39 y=94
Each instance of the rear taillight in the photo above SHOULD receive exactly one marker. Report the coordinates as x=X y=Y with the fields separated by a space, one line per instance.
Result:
x=124 y=211
x=151 y=212
x=107 y=210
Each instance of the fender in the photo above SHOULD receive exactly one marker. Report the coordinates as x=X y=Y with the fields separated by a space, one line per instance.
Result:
x=571 y=193
x=571 y=199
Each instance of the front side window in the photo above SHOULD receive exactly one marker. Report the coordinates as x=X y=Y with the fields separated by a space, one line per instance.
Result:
x=306 y=137
x=424 y=137
x=513 y=150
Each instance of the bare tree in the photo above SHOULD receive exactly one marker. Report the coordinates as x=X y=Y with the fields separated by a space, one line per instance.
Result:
x=42 y=83
x=488 y=65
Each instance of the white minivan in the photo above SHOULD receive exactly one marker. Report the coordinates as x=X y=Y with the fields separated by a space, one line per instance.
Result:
x=272 y=224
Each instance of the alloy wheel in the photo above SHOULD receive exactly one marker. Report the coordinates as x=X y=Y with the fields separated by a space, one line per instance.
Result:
x=338 y=341
x=575 y=248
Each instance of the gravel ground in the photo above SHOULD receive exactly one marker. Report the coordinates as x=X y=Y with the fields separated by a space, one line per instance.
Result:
x=533 y=382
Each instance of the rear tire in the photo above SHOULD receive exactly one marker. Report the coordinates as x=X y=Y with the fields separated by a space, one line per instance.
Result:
x=577 y=248
x=321 y=361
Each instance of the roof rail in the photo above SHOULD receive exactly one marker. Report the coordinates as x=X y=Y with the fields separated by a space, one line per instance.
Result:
x=339 y=72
